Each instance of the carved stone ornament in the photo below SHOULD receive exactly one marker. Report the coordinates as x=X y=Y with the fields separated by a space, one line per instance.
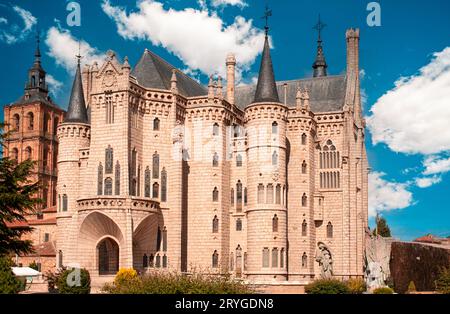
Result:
x=109 y=79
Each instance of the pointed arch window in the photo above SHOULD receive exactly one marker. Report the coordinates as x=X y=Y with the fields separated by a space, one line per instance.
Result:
x=215 y=259
x=108 y=186
x=64 y=202
x=151 y=260
x=304 y=260
x=275 y=158
x=164 y=185
x=265 y=257
x=239 y=195
x=304 y=167
x=117 y=179
x=269 y=199
x=164 y=239
x=239 y=224
x=260 y=193
x=275 y=223
x=215 y=161
x=156 y=124
x=239 y=160
x=304 y=137
x=304 y=200
x=109 y=160
x=278 y=194
x=275 y=257
x=245 y=196
x=282 y=258
x=158 y=261
x=155 y=165
x=215 y=195
x=215 y=224
x=145 y=261
x=304 y=228
x=158 y=239
x=100 y=179
x=329 y=230
x=155 y=190
x=164 y=261
x=147 y=182
x=215 y=129
x=274 y=127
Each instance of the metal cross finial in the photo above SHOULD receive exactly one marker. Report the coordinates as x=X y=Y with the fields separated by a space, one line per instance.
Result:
x=267 y=14
x=319 y=27
x=79 y=52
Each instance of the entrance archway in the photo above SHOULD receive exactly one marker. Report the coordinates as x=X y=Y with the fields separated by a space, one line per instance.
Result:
x=108 y=257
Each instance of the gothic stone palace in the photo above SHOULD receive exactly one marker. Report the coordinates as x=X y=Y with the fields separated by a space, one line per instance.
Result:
x=265 y=182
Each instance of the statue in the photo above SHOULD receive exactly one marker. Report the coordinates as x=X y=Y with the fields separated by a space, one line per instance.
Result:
x=323 y=257
x=377 y=256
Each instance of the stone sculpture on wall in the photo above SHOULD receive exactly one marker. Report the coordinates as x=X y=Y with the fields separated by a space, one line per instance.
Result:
x=323 y=257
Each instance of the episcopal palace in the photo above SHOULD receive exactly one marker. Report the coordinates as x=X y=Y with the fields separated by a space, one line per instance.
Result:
x=150 y=169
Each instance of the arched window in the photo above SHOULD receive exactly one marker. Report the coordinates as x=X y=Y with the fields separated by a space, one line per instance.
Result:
x=215 y=195
x=275 y=223
x=239 y=195
x=232 y=197
x=147 y=182
x=164 y=239
x=260 y=193
x=64 y=203
x=282 y=258
x=304 y=167
x=215 y=259
x=155 y=190
x=245 y=196
x=16 y=122
x=329 y=230
x=274 y=127
x=278 y=194
x=151 y=260
x=269 y=195
x=239 y=224
x=265 y=257
x=304 y=228
x=60 y=259
x=164 y=261
x=155 y=166
x=109 y=160
x=216 y=129
x=30 y=118
x=275 y=257
x=156 y=124
x=15 y=154
x=145 y=261
x=158 y=239
x=304 y=260
x=33 y=81
x=158 y=261
x=215 y=162
x=164 y=185
x=304 y=139
x=215 y=224
x=28 y=153
x=108 y=186
x=239 y=160
x=275 y=158
x=117 y=179
x=304 y=200
x=100 y=179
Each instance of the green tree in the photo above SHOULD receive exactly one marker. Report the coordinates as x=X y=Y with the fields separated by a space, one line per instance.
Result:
x=9 y=284
x=382 y=229
x=17 y=199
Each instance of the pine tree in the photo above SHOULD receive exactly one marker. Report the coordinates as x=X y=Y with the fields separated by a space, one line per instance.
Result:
x=17 y=199
x=382 y=229
x=8 y=282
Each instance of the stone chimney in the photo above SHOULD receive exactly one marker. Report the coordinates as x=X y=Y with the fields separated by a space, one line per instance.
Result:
x=231 y=73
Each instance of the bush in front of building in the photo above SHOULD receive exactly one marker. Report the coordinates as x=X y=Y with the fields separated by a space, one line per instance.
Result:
x=176 y=283
x=356 y=286
x=74 y=281
x=443 y=281
x=9 y=284
x=327 y=286
x=126 y=276
x=384 y=290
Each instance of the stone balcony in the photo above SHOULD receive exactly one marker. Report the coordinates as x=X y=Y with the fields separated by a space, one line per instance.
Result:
x=118 y=203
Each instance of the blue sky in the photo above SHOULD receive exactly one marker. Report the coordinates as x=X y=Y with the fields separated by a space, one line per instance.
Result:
x=405 y=72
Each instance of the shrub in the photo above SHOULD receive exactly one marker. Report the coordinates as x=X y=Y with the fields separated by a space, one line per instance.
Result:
x=52 y=279
x=384 y=290
x=356 y=286
x=176 y=283
x=411 y=287
x=125 y=276
x=9 y=284
x=327 y=286
x=84 y=286
x=443 y=281
x=34 y=265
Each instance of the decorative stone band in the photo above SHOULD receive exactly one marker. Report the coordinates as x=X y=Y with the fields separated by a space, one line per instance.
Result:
x=72 y=129
x=113 y=202
x=266 y=110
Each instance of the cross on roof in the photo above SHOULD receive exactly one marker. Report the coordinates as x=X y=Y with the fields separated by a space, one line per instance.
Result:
x=79 y=56
x=267 y=14
x=319 y=27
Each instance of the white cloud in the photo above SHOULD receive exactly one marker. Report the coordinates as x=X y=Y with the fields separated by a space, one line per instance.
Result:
x=413 y=116
x=385 y=195
x=63 y=47
x=13 y=33
x=436 y=165
x=221 y=3
x=427 y=181
x=198 y=37
x=54 y=84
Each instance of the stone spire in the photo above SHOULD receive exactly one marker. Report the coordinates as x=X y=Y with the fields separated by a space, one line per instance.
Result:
x=211 y=88
x=320 y=65
x=77 y=107
x=36 y=74
x=173 y=82
x=266 y=89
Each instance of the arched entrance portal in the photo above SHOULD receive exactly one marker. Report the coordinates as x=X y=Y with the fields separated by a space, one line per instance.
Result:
x=108 y=257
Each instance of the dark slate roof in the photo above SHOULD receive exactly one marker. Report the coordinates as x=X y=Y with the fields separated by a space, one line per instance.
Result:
x=153 y=72
x=266 y=90
x=326 y=93
x=36 y=96
x=77 y=112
